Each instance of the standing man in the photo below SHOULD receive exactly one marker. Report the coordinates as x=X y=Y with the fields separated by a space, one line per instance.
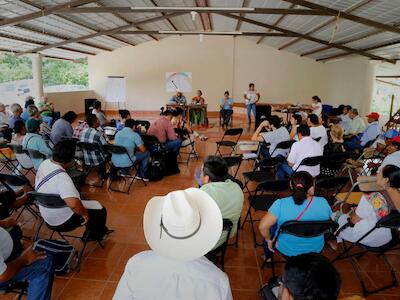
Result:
x=226 y=111
x=251 y=97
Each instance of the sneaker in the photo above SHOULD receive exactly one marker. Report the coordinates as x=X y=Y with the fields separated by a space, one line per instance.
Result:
x=142 y=178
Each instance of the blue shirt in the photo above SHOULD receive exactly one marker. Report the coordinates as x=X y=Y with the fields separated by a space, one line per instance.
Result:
x=120 y=125
x=177 y=100
x=227 y=105
x=370 y=133
x=25 y=115
x=286 y=210
x=36 y=142
x=12 y=121
x=130 y=140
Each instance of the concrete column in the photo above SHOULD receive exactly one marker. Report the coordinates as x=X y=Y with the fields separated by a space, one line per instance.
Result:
x=36 y=59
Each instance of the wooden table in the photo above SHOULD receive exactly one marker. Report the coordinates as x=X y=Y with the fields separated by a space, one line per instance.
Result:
x=187 y=108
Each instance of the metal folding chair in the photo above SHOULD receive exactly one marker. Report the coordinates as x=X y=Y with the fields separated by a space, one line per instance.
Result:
x=233 y=161
x=233 y=132
x=183 y=134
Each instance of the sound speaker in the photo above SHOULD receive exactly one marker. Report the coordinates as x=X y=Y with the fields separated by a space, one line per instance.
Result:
x=263 y=112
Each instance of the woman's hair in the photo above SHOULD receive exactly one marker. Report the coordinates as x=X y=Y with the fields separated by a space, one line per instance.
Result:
x=337 y=132
x=18 y=126
x=200 y=92
x=300 y=183
x=316 y=98
x=298 y=118
x=393 y=174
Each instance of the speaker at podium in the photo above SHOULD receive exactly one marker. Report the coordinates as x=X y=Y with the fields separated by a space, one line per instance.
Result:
x=263 y=112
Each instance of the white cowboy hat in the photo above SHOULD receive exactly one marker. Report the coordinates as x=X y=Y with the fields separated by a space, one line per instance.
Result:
x=183 y=225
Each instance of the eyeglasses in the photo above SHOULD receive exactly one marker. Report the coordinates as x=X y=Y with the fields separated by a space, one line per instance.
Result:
x=162 y=227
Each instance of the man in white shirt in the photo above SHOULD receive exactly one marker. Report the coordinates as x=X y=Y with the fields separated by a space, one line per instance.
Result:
x=317 y=130
x=180 y=228
x=52 y=178
x=356 y=124
x=304 y=148
x=274 y=135
x=251 y=97
x=369 y=134
x=393 y=158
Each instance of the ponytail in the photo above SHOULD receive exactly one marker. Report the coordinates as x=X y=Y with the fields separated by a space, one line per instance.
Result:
x=300 y=183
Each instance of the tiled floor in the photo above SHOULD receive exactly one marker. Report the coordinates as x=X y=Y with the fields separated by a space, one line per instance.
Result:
x=102 y=268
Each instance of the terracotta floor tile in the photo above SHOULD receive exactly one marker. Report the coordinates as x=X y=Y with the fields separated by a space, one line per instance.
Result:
x=95 y=269
x=108 y=291
x=78 y=289
x=243 y=278
x=245 y=294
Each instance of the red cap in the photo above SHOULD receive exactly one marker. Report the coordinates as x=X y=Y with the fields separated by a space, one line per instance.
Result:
x=374 y=115
x=395 y=139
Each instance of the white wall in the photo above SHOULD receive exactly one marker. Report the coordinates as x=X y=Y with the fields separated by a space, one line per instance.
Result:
x=227 y=63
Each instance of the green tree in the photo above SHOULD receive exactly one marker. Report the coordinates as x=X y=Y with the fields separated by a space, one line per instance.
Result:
x=14 y=68
x=60 y=72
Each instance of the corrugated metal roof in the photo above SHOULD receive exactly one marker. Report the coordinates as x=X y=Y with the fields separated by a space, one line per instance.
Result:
x=57 y=28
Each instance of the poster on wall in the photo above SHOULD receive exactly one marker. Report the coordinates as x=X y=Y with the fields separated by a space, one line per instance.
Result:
x=116 y=89
x=178 y=81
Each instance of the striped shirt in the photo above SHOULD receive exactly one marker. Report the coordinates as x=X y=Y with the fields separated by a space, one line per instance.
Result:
x=97 y=157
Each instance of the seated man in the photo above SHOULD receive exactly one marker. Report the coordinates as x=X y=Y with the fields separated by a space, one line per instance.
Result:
x=180 y=228
x=62 y=127
x=356 y=124
x=305 y=147
x=16 y=111
x=52 y=178
x=317 y=130
x=99 y=114
x=394 y=157
x=34 y=141
x=369 y=134
x=125 y=115
x=275 y=134
x=46 y=109
x=30 y=265
x=45 y=129
x=309 y=276
x=91 y=135
x=28 y=101
x=164 y=131
x=178 y=98
x=345 y=118
x=226 y=193
x=226 y=111
x=129 y=139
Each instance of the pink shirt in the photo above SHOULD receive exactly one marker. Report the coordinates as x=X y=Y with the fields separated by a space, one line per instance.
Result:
x=163 y=130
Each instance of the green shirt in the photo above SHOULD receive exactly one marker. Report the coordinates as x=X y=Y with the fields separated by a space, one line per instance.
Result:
x=356 y=126
x=229 y=198
x=48 y=112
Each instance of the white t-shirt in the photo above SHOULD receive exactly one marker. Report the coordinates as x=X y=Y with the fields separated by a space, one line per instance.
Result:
x=317 y=108
x=391 y=159
x=274 y=138
x=319 y=131
x=62 y=185
x=150 y=276
x=365 y=211
x=6 y=246
x=306 y=147
x=251 y=97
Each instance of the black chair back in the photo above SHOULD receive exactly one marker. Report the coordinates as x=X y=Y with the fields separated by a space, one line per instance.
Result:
x=47 y=200
x=13 y=180
x=317 y=139
x=312 y=161
x=274 y=186
x=234 y=131
x=232 y=161
x=330 y=183
x=182 y=133
x=143 y=123
x=150 y=139
x=268 y=163
x=88 y=146
x=285 y=145
x=308 y=229
x=115 y=149
x=35 y=154
x=391 y=221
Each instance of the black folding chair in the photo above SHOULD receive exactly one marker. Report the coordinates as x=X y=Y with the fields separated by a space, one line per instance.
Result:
x=52 y=201
x=330 y=187
x=152 y=144
x=217 y=256
x=392 y=222
x=285 y=145
x=233 y=132
x=143 y=123
x=311 y=162
x=264 y=196
x=302 y=229
x=263 y=170
x=233 y=161
x=90 y=147
x=120 y=150
x=5 y=161
x=16 y=287
x=34 y=154
x=11 y=183
x=317 y=139
x=184 y=135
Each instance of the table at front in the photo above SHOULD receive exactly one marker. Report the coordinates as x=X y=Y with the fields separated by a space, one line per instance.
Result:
x=187 y=108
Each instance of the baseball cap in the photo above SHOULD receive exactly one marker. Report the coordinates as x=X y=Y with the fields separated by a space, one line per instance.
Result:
x=391 y=133
x=396 y=139
x=374 y=115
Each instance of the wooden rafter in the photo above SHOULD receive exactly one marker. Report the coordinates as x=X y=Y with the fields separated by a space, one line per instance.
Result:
x=325 y=23
x=387 y=44
x=43 y=12
x=310 y=38
x=76 y=22
x=345 y=15
x=220 y=33
x=245 y=3
x=275 y=24
x=102 y=32
x=204 y=17
x=168 y=20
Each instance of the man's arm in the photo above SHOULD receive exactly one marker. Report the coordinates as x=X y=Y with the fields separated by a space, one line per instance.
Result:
x=141 y=148
x=77 y=207
x=256 y=136
x=171 y=133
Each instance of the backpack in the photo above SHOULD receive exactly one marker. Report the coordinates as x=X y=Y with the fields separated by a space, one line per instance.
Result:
x=171 y=164
x=155 y=169
x=61 y=251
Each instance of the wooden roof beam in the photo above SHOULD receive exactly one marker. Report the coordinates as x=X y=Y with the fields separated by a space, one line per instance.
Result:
x=310 y=38
x=102 y=32
x=205 y=17
x=43 y=12
x=220 y=33
x=346 y=15
x=168 y=20
x=325 y=23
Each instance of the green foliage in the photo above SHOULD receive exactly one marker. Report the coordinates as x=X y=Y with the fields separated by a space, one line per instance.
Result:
x=14 y=68
x=60 y=72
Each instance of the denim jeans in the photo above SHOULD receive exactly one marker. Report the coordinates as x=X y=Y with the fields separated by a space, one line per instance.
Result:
x=284 y=170
x=173 y=146
x=40 y=276
x=251 y=107
x=143 y=159
x=354 y=143
x=226 y=115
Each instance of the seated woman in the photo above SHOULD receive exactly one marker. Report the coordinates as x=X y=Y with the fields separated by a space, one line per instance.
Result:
x=179 y=121
x=19 y=133
x=295 y=121
x=335 y=147
x=302 y=205
x=354 y=223
x=197 y=114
